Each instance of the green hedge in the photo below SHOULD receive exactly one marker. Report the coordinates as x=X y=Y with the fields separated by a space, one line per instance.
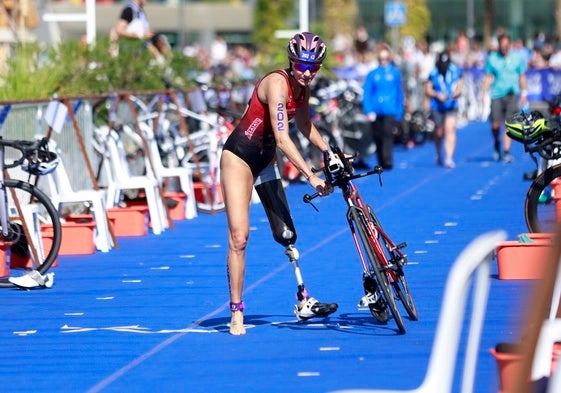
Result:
x=74 y=69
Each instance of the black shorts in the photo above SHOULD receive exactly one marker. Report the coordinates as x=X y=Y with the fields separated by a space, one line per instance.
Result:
x=253 y=155
x=438 y=117
x=504 y=107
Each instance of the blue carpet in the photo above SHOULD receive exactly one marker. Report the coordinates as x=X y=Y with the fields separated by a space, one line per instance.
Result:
x=151 y=315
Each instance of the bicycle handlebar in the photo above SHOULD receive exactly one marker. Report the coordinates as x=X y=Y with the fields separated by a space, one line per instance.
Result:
x=549 y=148
x=343 y=177
x=27 y=149
x=376 y=171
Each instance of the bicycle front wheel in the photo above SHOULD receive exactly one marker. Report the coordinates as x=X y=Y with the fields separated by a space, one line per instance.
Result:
x=540 y=207
x=34 y=231
x=377 y=267
x=397 y=260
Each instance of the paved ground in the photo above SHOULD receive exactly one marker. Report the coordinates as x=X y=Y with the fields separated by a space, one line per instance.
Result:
x=151 y=315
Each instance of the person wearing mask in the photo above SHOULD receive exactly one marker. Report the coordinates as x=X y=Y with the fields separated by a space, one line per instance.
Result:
x=444 y=87
x=384 y=104
x=249 y=160
x=505 y=77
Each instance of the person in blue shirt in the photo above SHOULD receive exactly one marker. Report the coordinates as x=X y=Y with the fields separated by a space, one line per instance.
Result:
x=383 y=104
x=443 y=87
x=505 y=75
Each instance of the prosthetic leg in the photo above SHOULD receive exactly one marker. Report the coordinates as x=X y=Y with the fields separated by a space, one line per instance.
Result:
x=273 y=198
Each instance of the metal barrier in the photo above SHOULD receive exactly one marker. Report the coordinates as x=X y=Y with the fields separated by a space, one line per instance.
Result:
x=26 y=120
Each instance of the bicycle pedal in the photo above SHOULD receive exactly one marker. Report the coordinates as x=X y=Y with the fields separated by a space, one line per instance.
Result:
x=401 y=245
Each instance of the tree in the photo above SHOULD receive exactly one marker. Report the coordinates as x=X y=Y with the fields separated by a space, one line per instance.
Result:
x=488 y=22
x=558 y=17
x=418 y=19
x=270 y=16
x=340 y=17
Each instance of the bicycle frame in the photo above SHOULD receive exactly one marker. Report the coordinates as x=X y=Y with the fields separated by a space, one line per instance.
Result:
x=382 y=260
x=352 y=196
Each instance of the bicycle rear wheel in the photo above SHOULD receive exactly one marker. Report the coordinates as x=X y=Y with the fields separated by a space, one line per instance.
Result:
x=377 y=267
x=540 y=205
x=27 y=248
x=397 y=260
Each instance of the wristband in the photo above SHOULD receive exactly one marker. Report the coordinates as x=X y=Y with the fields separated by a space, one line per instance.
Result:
x=308 y=177
x=524 y=92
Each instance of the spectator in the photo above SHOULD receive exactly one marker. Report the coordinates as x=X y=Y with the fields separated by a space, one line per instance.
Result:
x=361 y=42
x=462 y=48
x=555 y=59
x=218 y=51
x=477 y=56
x=519 y=47
x=425 y=64
x=383 y=104
x=537 y=59
x=506 y=78
x=444 y=86
x=133 y=24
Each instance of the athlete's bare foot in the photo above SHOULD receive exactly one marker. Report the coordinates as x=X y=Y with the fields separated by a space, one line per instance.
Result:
x=237 y=327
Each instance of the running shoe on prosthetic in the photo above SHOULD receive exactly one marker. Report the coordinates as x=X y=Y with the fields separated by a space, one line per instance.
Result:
x=308 y=307
x=312 y=308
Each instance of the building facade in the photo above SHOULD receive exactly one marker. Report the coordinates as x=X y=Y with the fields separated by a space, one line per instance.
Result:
x=196 y=20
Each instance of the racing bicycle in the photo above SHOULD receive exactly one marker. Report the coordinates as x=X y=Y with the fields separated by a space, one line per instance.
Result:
x=382 y=260
x=542 y=140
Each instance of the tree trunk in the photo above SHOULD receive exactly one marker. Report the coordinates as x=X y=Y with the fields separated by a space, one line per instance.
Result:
x=558 y=17
x=488 y=22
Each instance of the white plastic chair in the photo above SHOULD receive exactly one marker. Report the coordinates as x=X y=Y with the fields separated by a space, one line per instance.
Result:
x=120 y=179
x=161 y=172
x=30 y=214
x=473 y=262
x=62 y=193
x=549 y=334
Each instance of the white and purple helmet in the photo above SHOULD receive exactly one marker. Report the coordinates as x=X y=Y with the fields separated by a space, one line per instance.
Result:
x=306 y=48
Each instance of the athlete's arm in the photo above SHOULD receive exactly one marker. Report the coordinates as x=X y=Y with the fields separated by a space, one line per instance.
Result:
x=273 y=91
x=306 y=127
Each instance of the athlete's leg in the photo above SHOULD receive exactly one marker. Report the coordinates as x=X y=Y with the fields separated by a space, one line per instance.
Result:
x=450 y=122
x=271 y=192
x=273 y=198
x=437 y=118
x=496 y=123
x=511 y=107
x=237 y=184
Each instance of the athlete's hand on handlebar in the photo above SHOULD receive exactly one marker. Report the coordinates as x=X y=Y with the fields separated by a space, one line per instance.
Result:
x=322 y=187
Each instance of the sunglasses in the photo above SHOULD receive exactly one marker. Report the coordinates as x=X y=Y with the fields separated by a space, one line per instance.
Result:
x=303 y=67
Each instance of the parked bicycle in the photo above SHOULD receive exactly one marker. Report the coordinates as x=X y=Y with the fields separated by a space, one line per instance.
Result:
x=178 y=145
x=542 y=206
x=199 y=150
x=382 y=260
x=23 y=208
